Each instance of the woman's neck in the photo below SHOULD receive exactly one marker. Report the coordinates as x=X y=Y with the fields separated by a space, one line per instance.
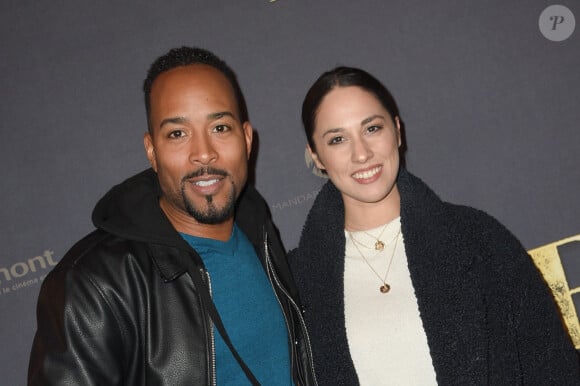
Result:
x=360 y=216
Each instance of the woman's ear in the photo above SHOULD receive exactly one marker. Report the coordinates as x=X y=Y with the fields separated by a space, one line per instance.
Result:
x=398 y=130
x=315 y=158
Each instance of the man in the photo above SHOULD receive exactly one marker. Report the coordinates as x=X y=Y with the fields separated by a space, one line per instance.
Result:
x=184 y=282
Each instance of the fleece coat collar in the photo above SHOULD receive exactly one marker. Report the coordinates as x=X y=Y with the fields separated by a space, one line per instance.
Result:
x=430 y=231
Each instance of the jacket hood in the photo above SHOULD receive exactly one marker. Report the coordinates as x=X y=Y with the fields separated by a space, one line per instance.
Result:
x=131 y=210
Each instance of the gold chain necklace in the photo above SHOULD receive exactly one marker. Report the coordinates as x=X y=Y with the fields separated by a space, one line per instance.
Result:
x=379 y=244
x=385 y=288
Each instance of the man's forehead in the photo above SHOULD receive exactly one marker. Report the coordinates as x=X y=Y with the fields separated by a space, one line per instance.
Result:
x=193 y=78
x=197 y=71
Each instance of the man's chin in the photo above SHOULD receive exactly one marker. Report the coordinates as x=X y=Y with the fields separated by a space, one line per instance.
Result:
x=212 y=213
x=211 y=218
x=211 y=209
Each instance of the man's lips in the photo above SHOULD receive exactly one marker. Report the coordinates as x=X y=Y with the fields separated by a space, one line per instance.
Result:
x=205 y=183
x=206 y=180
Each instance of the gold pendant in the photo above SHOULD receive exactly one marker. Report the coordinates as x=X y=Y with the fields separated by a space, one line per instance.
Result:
x=385 y=288
x=379 y=245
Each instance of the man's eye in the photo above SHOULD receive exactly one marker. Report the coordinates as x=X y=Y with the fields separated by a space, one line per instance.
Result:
x=221 y=129
x=176 y=134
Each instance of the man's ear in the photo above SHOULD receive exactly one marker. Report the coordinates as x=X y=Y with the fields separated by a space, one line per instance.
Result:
x=150 y=150
x=248 y=136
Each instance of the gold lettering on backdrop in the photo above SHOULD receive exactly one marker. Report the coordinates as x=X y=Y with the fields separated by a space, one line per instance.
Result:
x=548 y=261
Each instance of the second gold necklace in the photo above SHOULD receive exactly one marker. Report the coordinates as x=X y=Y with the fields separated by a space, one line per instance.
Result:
x=384 y=288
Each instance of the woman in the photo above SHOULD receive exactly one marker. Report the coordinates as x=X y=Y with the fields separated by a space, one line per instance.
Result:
x=400 y=287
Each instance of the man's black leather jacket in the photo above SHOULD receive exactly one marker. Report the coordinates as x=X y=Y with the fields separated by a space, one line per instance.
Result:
x=120 y=308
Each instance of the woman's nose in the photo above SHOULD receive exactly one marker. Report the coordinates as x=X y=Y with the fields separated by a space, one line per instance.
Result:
x=361 y=152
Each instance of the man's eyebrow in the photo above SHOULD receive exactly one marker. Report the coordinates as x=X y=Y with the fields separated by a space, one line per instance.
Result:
x=174 y=120
x=184 y=120
x=219 y=115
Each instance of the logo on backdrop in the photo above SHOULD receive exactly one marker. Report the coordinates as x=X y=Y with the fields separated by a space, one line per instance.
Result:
x=301 y=199
x=295 y=201
x=26 y=273
x=557 y=23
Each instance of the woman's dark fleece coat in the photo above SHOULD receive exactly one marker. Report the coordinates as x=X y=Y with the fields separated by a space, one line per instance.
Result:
x=487 y=313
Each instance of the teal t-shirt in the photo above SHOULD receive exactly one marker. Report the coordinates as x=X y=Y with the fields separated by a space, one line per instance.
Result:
x=249 y=310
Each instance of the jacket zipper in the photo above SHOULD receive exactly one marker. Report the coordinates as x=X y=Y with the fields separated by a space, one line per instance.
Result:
x=273 y=282
x=211 y=333
x=272 y=276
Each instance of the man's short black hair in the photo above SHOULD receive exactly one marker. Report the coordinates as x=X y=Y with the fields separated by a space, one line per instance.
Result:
x=185 y=56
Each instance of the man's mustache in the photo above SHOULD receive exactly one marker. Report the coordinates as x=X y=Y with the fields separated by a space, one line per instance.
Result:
x=205 y=170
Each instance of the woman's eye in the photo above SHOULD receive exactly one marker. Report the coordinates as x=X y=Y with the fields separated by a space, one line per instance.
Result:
x=372 y=129
x=336 y=140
